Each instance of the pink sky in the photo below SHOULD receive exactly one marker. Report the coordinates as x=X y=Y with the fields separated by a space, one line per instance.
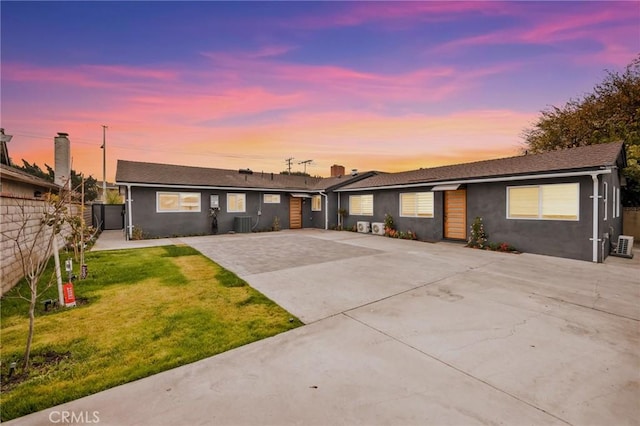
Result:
x=384 y=86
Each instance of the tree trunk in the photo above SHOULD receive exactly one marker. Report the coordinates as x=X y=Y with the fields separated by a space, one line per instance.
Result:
x=32 y=318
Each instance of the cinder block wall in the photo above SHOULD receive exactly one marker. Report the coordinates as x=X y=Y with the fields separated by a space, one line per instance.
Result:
x=14 y=214
x=631 y=222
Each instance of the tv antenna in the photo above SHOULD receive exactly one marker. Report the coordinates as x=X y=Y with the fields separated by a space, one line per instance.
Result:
x=305 y=162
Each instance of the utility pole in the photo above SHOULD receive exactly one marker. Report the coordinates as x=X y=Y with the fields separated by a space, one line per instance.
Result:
x=305 y=162
x=288 y=161
x=104 y=164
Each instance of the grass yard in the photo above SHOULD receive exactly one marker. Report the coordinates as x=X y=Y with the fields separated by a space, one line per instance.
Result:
x=146 y=311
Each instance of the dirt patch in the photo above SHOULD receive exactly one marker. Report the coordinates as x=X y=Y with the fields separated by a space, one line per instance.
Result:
x=40 y=364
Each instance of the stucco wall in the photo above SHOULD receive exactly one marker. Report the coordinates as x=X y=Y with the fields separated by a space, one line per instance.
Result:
x=155 y=224
x=14 y=212
x=387 y=201
x=560 y=238
x=610 y=226
x=570 y=239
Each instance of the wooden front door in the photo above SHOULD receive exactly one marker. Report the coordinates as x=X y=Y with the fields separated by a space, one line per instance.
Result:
x=295 y=213
x=455 y=214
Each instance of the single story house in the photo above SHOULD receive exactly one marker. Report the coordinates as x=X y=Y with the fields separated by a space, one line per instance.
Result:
x=19 y=184
x=166 y=200
x=562 y=203
x=23 y=199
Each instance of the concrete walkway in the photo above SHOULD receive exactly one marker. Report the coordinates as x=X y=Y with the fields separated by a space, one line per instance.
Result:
x=115 y=240
x=404 y=332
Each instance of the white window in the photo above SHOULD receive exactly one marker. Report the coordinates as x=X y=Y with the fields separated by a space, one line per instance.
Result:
x=271 y=198
x=618 y=202
x=316 y=203
x=605 y=198
x=236 y=203
x=170 y=202
x=416 y=204
x=553 y=202
x=361 y=205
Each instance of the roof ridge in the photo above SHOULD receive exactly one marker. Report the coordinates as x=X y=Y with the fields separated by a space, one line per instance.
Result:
x=525 y=155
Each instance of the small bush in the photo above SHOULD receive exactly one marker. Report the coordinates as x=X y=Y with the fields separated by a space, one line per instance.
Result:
x=136 y=233
x=478 y=237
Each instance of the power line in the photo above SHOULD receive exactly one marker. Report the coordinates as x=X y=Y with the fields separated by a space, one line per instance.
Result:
x=79 y=141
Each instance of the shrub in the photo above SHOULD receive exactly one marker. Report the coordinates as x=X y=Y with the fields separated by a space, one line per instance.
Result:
x=390 y=230
x=137 y=234
x=478 y=237
x=389 y=224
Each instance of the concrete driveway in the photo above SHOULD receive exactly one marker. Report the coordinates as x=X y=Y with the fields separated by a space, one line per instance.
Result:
x=405 y=332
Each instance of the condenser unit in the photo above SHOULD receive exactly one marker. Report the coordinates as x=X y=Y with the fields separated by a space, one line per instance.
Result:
x=364 y=227
x=624 y=247
x=377 y=228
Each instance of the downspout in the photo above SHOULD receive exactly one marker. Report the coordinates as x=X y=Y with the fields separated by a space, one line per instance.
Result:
x=326 y=210
x=596 y=200
x=129 y=214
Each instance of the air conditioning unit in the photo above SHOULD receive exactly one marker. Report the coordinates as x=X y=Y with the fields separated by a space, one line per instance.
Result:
x=377 y=228
x=364 y=227
x=624 y=247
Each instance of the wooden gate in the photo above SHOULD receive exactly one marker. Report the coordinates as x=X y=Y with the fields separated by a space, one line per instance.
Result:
x=455 y=214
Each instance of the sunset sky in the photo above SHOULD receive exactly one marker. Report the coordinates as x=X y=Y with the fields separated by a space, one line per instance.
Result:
x=385 y=86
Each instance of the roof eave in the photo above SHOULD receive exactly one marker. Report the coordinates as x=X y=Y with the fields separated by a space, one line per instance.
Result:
x=217 y=187
x=504 y=178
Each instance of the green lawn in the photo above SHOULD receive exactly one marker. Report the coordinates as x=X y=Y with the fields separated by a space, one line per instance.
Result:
x=147 y=310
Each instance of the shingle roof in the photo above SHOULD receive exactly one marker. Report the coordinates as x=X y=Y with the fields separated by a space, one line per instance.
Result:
x=11 y=173
x=581 y=158
x=336 y=181
x=168 y=174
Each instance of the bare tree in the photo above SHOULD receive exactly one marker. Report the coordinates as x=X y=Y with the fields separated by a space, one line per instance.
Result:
x=33 y=241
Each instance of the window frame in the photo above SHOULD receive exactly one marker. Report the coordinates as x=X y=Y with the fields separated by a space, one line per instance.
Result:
x=244 y=202
x=268 y=198
x=540 y=204
x=361 y=211
x=180 y=197
x=316 y=199
x=430 y=203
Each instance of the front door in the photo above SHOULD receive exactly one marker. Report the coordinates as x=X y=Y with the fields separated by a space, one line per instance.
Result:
x=295 y=213
x=455 y=214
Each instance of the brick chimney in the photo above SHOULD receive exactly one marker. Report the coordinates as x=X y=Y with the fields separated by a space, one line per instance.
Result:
x=337 y=170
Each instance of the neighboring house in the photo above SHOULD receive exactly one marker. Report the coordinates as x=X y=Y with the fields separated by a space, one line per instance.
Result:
x=22 y=201
x=164 y=200
x=562 y=203
x=18 y=184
